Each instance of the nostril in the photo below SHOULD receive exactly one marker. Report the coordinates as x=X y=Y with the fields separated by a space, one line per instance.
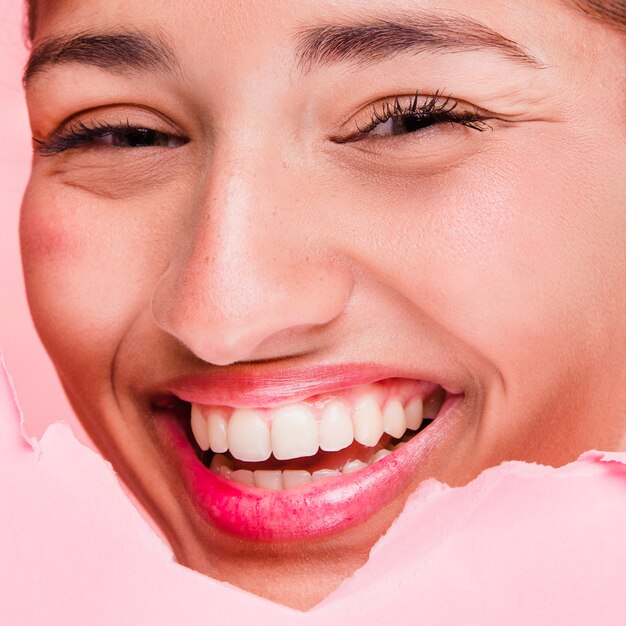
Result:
x=261 y=328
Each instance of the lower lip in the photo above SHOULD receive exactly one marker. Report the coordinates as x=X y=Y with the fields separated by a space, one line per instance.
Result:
x=311 y=510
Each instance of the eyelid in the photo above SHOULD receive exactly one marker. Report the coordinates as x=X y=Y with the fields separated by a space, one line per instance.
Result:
x=110 y=119
x=437 y=103
x=120 y=115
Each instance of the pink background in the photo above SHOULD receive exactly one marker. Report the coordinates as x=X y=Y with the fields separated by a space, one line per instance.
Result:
x=40 y=393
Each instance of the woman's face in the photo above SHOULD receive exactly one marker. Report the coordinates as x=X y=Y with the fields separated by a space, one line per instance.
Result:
x=303 y=223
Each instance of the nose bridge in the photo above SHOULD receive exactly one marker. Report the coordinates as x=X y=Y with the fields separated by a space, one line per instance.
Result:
x=231 y=230
x=245 y=278
x=235 y=262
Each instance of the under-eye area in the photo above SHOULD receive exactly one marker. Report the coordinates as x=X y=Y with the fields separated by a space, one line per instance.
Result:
x=317 y=439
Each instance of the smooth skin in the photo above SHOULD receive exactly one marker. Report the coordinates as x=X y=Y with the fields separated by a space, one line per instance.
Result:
x=494 y=258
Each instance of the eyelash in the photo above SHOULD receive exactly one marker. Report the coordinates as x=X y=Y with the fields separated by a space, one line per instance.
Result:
x=80 y=134
x=433 y=111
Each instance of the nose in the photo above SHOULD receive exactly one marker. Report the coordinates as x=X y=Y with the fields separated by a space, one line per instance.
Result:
x=252 y=276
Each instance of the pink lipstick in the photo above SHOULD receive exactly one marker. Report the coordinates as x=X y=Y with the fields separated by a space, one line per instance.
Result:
x=317 y=508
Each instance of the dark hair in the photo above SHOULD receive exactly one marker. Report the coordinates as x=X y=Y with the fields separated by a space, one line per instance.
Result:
x=611 y=12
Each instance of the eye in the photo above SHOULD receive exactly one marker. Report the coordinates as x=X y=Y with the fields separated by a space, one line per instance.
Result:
x=402 y=116
x=132 y=138
x=104 y=135
x=400 y=125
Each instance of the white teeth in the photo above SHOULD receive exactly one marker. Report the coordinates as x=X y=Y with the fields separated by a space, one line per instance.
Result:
x=275 y=480
x=294 y=478
x=245 y=477
x=336 y=431
x=301 y=429
x=199 y=427
x=414 y=414
x=381 y=454
x=267 y=479
x=324 y=473
x=368 y=421
x=248 y=436
x=294 y=432
x=394 y=419
x=216 y=420
x=353 y=466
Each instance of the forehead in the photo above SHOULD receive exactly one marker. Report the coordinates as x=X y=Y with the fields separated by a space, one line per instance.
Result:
x=254 y=42
x=235 y=32
x=236 y=20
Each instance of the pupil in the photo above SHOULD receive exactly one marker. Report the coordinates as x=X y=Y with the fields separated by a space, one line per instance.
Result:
x=411 y=123
x=140 y=137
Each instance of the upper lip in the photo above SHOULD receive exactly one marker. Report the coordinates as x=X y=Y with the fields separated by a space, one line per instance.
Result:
x=270 y=386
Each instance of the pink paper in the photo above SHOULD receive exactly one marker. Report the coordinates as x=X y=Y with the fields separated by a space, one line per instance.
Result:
x=521 y=544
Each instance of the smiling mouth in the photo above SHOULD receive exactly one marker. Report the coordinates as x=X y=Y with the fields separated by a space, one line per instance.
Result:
x=302 y=467
x=315 y=440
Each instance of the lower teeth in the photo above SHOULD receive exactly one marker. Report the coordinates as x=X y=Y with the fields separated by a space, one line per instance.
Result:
x=281 y=479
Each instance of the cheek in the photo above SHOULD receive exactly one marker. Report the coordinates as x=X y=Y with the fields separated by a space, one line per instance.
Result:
x=49 y=248
x=516 y=262
x=499 y=252
x=85 y=272
x=494 y=252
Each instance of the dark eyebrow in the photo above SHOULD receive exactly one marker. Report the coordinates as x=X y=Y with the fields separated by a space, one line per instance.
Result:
x=109 y=51
x=377 y=39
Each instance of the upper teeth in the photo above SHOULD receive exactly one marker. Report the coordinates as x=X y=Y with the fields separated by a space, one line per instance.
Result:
x=300 y=429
